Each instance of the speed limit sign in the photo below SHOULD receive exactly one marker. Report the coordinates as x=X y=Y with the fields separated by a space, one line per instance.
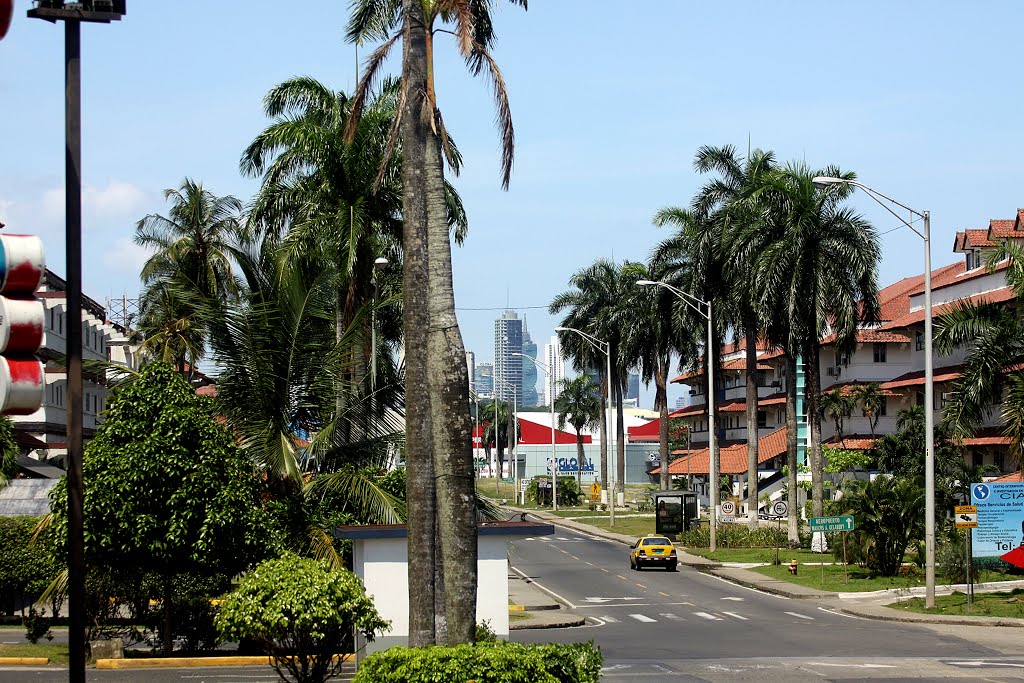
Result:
x=728 y=508
x=780 y=509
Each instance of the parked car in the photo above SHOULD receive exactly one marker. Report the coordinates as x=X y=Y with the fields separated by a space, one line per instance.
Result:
x=651 y=550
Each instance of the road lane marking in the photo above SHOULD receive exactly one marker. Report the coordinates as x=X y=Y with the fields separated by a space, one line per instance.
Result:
x=643 y=618
x=573 y=556
x=605 y=570
x=550 y=592
x=802 y=616
x=641 y=585
x=986 y=664
x=735 y=616
x=602 y=599
x=840 y=614
x=622 y=577
x=664 y=594
x=855 y=666
x=705 y=615
x=611 y=620
x=753 y=590
x=673 y=617
x=590 y=563
x=732 y=598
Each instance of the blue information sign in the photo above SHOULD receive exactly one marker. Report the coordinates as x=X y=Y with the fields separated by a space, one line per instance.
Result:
x=1000 y=531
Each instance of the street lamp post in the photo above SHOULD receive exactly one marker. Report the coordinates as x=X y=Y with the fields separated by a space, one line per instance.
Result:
x=73 y=15
x=554 y=458
x=929 y=382
x=513 y=434
x=605 y=348
x=695 y=303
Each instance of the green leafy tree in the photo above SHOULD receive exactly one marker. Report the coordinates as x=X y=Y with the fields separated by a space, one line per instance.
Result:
x=166 y=489
x=839 y=461
x=303 y=613
x=26 y=568
x=8 y=451
x=578 y=404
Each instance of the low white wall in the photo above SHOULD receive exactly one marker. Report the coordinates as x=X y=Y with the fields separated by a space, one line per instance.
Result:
x=382 y=564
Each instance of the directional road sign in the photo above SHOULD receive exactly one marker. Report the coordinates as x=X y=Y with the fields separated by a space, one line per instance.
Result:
x=780 y=509
x=841 y=523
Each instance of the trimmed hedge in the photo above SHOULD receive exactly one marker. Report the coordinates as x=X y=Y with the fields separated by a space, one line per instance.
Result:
x=500 y=662
x=740 y=536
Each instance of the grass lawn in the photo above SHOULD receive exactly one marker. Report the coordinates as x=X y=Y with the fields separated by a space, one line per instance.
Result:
x=519 y=616
x=630 y=526
x=763 y=555
x=1001 y=604
x=58 y=654
x=860 y=580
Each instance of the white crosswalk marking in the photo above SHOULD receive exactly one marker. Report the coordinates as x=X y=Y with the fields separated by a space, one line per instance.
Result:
x=611 y=620
x=802 y=616
x=674 y=617
x=643 y=618
x=735 y=616
x=732 y=598
x=705 y=615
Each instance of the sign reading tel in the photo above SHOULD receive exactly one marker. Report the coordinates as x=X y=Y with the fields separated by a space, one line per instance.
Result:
x=1000 y=531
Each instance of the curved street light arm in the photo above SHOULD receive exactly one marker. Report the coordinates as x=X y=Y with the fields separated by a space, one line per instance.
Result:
x=822 y=181
x=690 y=300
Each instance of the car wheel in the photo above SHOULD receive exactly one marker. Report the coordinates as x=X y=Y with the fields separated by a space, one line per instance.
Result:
x=638 y=566
x=670 y=567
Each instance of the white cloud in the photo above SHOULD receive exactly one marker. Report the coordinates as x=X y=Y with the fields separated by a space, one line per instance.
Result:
x=118 y=198
x=124 y=255
x=53 y=204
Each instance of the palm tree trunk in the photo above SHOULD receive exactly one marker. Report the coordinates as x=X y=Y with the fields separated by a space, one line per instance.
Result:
x=751 y=377
x=579 y=460
x=661 y=404
x=793 y=493
x=812 y=388
x=419 y=459
x=449 y=416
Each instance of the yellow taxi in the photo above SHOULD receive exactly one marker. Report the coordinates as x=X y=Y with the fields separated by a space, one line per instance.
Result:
x=653 y=551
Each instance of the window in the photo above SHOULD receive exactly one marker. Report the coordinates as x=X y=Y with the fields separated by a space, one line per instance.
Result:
x=60 y=323
x=920 y=398
x=51 y=318
x=1000 y=461
x=762 y=419
x=977 y=459
x=883 y=405
x=842 y=358
x=919 y=341
x=879 y=352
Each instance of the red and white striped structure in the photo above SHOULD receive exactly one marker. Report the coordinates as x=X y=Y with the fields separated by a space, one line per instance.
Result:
x=22 y=268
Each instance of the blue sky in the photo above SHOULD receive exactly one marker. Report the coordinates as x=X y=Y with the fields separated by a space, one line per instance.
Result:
x=610 y=102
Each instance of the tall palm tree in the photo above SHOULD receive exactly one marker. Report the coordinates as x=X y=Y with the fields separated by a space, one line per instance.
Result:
x=732 y=199
x=173 y=326
x=497 y=418
x=192 y=254
x=819 y=269
x=424 y=148
x=578 y=404
x=994 y=336
x=597 y=304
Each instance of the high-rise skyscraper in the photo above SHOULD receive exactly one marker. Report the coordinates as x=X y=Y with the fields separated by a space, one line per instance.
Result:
x=508 y=369
x=633 y=388
x=530 y=397
x=553 y=359
x=471 y=368
x=484 y=380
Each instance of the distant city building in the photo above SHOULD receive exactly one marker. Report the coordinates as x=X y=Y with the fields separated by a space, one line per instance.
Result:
x=529 y=369
x=471 y=366
x=553 y=359
x=680 y=402
x=508 y=369
x=483 y=379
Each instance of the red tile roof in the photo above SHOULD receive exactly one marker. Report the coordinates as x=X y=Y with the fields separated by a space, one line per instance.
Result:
x=915 y=378
x=732 y=458
x=988 y=436
x=651 y=430
x=1002 y=228
x=846 y=388
x=914 y=317
x=870 y=336
x=1015 y=476
x=738 y=364
x=853 y=442
x=971 y=238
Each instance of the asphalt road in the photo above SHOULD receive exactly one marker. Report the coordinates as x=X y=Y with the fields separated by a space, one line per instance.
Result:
x=655 y=625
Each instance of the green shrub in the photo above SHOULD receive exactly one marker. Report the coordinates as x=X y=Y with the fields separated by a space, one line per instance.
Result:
x=302 y=613
x=736 y=536
x=569 y=492
x=500 y=662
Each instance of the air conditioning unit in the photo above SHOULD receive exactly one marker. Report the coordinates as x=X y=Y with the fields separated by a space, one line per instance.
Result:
x=835 y=371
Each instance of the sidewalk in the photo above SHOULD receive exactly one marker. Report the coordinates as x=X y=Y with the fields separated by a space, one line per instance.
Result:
x=870 y=605
x=530 y=607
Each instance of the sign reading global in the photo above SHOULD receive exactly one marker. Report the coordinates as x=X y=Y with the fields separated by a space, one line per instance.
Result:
x=1000 y=531
x=571 y=465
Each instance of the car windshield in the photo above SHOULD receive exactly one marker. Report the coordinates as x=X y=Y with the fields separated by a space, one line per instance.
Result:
x=656 y=541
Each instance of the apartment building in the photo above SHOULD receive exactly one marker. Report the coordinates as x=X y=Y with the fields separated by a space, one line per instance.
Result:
x=889 y=353
x=43 y=434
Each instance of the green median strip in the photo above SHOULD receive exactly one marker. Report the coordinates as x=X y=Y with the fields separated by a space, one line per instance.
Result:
x=174 y=662
x=999 y=604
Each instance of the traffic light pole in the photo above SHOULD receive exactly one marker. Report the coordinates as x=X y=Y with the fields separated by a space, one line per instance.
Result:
x=73 y=245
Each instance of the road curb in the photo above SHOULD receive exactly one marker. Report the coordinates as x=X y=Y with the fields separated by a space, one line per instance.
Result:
x=24 y=661
x=892 y=614
x=184 y=662
x=566 y=621
x=770 y=586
